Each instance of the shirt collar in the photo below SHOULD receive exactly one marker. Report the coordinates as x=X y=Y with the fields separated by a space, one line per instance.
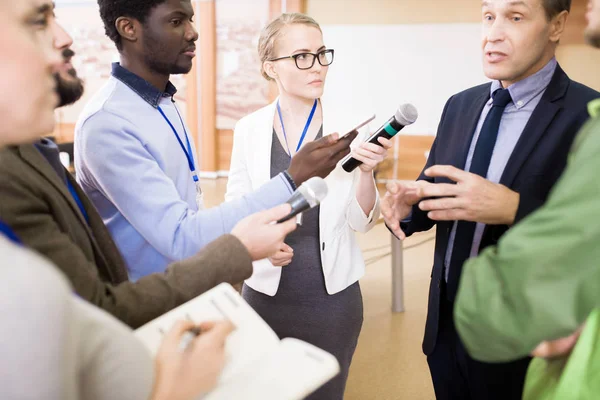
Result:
x=594 y=108
x=142 y=87
x=524 y=91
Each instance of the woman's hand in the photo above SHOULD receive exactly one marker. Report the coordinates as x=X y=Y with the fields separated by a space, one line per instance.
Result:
x=371 y=154
x=283 y=257
x=185 y=374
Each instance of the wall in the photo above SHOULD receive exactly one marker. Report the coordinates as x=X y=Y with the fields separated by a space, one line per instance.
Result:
x=579 y=60
x=395 y=27
x=379 y=67
x=398 y=12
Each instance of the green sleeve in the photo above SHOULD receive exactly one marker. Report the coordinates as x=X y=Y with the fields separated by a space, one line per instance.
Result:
x=542 y=280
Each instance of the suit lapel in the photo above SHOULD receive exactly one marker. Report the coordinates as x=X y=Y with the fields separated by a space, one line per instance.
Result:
x=470 y=123
x=36 y=160
x=33 y=157
x=112 y=266
x=261 y=140
x=537 y=125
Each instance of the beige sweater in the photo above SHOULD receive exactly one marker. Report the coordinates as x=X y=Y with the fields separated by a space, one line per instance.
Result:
x=53 y=345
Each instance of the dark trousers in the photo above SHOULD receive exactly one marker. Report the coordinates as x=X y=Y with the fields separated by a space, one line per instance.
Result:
x=457 y=376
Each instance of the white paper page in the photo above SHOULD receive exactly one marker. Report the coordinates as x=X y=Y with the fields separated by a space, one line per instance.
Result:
x=291 y=371
x=251 y=339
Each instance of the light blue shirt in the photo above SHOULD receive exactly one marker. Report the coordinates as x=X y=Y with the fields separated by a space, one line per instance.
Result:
x=132 y=167
x=526 y=95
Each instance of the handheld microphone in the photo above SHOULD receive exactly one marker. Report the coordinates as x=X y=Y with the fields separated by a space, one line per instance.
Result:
x=308 y=195
x=406 y=115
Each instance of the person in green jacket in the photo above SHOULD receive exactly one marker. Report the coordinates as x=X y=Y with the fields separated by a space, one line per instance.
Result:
x=538 y=291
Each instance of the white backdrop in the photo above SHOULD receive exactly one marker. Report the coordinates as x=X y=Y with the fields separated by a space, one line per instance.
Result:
x=383 y=66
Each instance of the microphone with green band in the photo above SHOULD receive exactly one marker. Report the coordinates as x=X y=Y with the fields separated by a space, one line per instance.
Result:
x=406 y=115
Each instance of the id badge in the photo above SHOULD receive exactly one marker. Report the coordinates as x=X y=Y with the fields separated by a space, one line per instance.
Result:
x=199 y=196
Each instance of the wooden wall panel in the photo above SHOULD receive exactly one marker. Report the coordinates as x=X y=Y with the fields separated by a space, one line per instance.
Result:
x=208 y=89
x=192 y=107
x=275 y=7
x=417 y=12
x=411 y=157
x=224 y=144
x=64 y=132
x=579 y=60
x=581 y=63
x=576 y=24
x=394 y=11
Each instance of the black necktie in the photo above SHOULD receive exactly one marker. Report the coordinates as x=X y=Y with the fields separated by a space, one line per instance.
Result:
x=465 y=231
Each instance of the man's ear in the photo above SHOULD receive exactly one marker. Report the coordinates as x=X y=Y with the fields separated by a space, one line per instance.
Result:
x=557 y=26
x=128 y=28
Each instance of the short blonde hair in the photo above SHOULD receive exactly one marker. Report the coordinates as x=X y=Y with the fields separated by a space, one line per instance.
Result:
x=272 y=32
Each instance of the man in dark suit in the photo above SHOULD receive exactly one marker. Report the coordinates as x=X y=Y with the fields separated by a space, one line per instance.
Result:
x=500 y=147
x=49 y=212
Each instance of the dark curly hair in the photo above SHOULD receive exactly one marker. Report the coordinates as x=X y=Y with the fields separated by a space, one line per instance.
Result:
x=110 y=10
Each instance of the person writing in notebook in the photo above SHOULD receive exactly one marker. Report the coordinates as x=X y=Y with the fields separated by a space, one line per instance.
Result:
x=309 y=290
x=135 y=158
x=54 y=344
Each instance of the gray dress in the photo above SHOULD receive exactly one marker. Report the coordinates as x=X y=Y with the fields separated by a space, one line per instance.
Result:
x=302 y=308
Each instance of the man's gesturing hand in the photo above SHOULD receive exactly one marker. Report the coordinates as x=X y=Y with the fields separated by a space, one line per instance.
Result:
x=472 y=198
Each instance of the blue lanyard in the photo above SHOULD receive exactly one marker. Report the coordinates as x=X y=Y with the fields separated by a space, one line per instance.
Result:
x=6 y=231
x=77 y=200
x=310 y=117
x=188 y=153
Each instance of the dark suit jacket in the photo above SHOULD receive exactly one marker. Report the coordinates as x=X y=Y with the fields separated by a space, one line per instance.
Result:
x=532 y=169
x=37 y=204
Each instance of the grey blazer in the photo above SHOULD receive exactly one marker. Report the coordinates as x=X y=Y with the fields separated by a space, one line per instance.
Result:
x=57 y=346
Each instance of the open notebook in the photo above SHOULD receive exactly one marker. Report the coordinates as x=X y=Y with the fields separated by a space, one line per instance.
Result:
x=259 y=365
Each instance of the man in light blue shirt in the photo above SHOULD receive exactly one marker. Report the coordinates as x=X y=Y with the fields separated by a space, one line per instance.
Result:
x=134 y=157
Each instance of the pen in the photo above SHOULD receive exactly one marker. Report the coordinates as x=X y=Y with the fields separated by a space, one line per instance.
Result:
x=188 y=337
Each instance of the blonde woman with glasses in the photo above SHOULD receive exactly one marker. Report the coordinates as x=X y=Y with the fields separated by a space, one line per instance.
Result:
x=309 y=289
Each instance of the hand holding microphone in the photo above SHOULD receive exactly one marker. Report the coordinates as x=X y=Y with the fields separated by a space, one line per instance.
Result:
x=262 y=237
x=405 y=115
x=308 y=195
x=370 y=155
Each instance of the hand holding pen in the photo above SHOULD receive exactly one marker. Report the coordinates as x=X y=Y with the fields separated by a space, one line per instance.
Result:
x=191 y=359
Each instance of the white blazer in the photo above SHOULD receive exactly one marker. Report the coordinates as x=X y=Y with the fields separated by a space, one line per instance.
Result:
x=340 y=213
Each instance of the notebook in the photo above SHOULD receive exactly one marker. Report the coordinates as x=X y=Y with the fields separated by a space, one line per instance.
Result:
x=258 y=364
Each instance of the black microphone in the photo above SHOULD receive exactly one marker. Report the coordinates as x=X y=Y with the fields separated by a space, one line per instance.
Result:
x=308 y=195
x=406 y=115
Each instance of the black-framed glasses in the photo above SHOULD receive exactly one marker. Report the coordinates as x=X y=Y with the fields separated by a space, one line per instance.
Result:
x=307 y=60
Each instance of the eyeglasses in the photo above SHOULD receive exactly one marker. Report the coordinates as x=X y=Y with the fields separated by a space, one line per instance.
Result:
x=307 y=60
